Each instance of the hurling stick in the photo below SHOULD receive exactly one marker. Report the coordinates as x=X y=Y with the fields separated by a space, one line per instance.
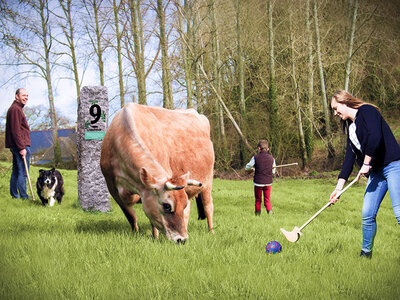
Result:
x=29 y=179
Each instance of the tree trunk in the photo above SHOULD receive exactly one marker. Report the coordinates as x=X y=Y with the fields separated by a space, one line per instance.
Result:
x=242 y=104
x=188 y=5
x=70 y=36
x=118 y=37
x=350 y=51
x=228 y=113
x=44 y=17
x=331 y=151
x=240 y=75
x=297 y=97
x=197 y=42
x=99 y=49
x=216 y=61
x=272 y=93
x=137 y=33
x=309 y=132
x=166 y=72
x=186 y=39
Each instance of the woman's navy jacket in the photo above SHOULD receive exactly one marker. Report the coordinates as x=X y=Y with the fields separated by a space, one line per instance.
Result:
x=376 y=139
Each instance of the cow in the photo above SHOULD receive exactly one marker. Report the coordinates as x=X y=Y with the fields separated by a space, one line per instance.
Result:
x=162 y=158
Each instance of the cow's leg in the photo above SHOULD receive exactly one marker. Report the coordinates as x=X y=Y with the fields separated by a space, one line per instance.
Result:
x=186 y=213
x=208 y=207
x=130 y=214
x=155 y=232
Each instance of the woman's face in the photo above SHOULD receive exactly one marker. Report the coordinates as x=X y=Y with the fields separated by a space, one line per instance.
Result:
x=341 y=110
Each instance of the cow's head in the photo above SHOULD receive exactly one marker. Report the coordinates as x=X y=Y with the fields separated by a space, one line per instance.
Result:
x=166 y=204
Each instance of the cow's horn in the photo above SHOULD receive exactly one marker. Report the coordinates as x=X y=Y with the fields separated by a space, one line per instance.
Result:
x=169 y=186
x=194 y=182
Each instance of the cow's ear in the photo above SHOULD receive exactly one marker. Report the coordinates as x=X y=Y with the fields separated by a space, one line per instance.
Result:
x=147 y=179
x=41 y=171
x=53 y=169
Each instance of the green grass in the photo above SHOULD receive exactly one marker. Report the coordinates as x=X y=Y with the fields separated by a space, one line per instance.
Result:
x=66 y=253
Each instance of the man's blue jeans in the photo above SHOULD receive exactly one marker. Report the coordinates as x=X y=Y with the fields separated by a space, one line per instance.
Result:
x=18 y=175
x=379 y=183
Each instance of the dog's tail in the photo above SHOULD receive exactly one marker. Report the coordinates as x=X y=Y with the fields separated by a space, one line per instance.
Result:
x=200 y=208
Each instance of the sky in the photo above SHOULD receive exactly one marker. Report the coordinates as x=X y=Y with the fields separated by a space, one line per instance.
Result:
x=37 y=90
x=65 y=92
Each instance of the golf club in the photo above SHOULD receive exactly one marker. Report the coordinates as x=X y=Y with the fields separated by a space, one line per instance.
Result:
x=295 y=234
x=29 y=179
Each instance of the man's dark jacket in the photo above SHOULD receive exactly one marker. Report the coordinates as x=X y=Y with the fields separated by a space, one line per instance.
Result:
x=17 y=128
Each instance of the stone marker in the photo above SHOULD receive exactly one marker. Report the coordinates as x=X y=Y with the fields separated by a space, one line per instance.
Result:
x=92 y=125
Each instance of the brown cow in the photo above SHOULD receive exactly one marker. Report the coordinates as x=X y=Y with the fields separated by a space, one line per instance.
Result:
x=163 y=157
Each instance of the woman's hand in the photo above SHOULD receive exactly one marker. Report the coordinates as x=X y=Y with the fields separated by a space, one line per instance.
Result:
x=365 y=169
x=333 y=198
x=339 y=187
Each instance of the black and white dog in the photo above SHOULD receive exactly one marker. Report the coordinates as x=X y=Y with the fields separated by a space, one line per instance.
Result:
x=49 y=186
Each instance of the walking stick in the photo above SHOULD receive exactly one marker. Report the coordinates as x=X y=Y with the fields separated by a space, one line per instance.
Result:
x=29 y=179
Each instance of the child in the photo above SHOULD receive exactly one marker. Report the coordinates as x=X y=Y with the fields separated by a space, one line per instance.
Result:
x=263 y=164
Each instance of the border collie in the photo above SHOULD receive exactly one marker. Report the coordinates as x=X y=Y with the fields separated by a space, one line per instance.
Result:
x=49 y=186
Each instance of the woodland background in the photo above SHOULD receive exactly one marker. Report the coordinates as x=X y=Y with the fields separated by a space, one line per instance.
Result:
x=257 y=69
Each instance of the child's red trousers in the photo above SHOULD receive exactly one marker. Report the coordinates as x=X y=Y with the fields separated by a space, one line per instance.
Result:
x=258 y=192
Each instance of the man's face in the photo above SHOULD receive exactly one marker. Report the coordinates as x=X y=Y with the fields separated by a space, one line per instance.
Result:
x=22 y=96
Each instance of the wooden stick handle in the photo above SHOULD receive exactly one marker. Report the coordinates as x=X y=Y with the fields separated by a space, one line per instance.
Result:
x=286 y=165
x=329 y=203
x=29 y=179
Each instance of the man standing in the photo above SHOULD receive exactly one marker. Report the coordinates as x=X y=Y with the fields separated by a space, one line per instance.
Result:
x=19 y=141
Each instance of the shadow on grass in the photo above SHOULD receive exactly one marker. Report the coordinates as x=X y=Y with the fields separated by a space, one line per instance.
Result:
x=106 y=226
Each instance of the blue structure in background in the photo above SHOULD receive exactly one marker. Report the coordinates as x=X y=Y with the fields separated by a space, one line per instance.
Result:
x=42 y=141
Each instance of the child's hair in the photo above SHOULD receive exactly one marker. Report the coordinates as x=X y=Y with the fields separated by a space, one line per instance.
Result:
x=263 y=145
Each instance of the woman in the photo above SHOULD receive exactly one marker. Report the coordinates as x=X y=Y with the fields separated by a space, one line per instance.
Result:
x=370 y=143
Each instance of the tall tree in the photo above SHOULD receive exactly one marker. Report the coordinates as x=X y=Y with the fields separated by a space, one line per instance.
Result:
x=188 y=7
x=67 y=25
x=272 y=93
x=216 y=62
x=309 y=120
x=196 y=52
x=33 y=45
x=138 y=62
x=184 y=15
x=118 y=37
x=240 y=76
x=166 y=71
x=331 y=151
x=239 y=34
x=297 y=96
x=350 y=50
x=95 y=28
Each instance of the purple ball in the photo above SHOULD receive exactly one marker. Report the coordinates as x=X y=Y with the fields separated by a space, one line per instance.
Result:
x=273 y=247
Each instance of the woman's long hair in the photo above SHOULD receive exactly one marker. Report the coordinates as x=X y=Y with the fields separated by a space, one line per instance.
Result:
x=349 y=100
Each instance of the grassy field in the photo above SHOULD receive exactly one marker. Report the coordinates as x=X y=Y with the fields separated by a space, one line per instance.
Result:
x=66 y=253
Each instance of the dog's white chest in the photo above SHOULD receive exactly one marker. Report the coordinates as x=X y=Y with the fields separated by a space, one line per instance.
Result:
x=49 y=193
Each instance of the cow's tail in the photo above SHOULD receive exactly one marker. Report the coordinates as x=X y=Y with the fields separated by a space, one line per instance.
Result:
x=200 y=208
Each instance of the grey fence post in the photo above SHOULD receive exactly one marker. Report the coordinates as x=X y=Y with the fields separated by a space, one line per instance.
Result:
x=92 y=125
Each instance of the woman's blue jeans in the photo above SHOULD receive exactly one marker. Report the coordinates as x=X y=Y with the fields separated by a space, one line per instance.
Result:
x=18 y=175
x=379 y=183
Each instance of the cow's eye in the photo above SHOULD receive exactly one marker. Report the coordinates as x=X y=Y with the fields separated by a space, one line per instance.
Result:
x=167 y=208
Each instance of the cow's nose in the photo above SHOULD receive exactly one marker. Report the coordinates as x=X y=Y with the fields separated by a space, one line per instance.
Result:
x=181 y=241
